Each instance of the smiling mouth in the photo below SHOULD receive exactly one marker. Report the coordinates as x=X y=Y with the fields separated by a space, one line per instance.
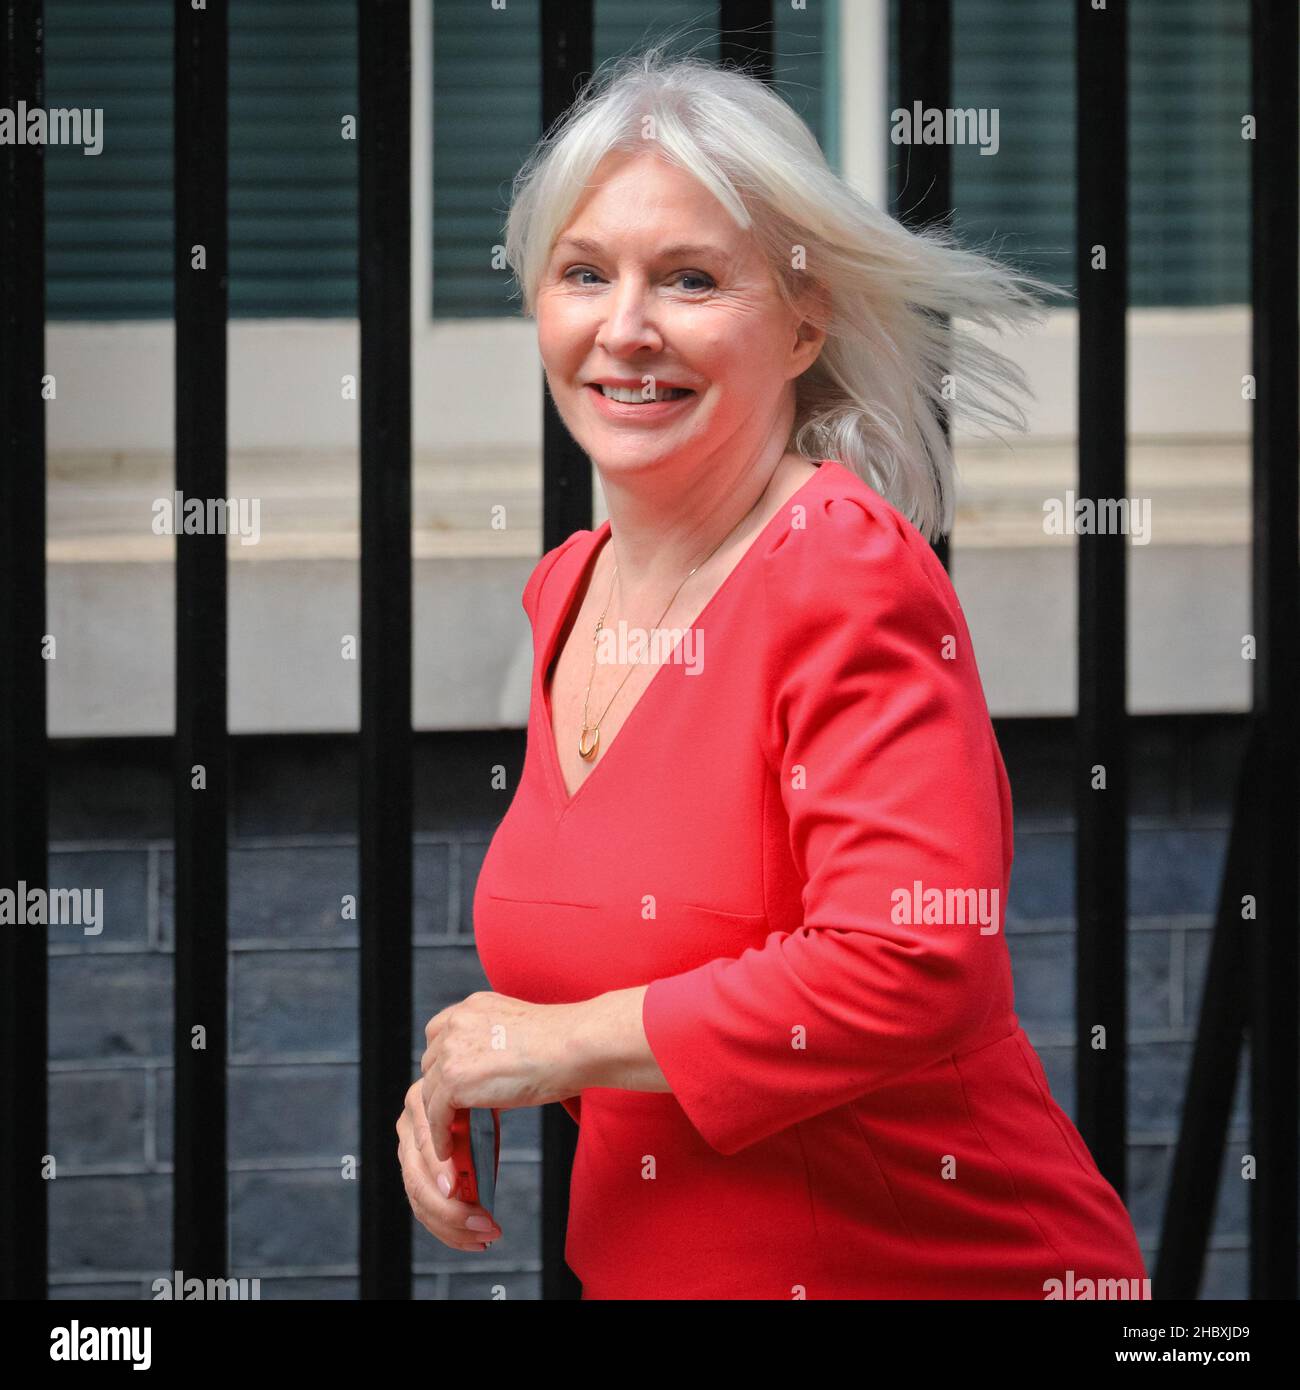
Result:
x=628 y=395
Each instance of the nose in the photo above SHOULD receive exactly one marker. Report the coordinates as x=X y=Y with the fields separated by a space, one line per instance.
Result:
x=627 y=325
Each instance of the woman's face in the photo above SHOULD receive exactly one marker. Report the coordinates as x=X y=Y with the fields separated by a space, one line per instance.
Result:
x=652 y=281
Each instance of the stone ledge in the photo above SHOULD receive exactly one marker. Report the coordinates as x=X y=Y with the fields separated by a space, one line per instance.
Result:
x=294 y=595
x=101 y=505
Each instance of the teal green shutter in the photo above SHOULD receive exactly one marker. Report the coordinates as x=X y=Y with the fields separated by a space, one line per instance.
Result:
x=292 y=175
x=1189 y=169
x=487 y=110
x=486 y=106
x=109 y=217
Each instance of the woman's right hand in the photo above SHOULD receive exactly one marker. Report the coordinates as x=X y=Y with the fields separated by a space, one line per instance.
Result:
x=439 y=1212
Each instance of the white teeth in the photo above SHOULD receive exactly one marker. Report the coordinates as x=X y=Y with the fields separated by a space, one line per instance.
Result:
x=630 y=395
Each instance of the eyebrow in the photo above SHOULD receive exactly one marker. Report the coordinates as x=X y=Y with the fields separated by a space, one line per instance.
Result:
x=679 y=250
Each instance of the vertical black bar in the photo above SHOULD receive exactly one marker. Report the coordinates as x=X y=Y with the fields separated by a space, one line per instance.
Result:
x=923 y=173
x=1101 y=845
x=384 y=86
x=24 y=802
x=567 y=31
x=746 y=36
x=202 y=775
x=1276 y=607
x=567 y=35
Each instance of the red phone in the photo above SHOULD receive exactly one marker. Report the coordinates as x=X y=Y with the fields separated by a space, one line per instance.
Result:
x=476 y=1152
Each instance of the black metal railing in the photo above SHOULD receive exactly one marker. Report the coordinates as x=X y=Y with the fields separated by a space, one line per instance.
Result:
x=1250 y=989
x=568 y=35
x=1251 y=980
x=24 y=795
x=201 y=752
x=384 y=52
x=1101 y=729
x=921 y=190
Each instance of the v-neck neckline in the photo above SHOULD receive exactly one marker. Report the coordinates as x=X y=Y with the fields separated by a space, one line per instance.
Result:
x=564 y=799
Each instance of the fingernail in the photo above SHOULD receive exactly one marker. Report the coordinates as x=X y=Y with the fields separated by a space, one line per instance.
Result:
x=479 y=1223
x=444 y=1184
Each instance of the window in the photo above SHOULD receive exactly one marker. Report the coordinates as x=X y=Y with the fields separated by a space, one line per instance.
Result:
x=293 y=194
x=1189 y=169
x=487 y=116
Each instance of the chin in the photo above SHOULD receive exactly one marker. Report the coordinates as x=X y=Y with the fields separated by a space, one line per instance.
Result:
x=631 y=454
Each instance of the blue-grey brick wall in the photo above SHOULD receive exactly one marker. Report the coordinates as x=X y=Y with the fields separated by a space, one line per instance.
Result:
x=293 y=996
x=1183 y=777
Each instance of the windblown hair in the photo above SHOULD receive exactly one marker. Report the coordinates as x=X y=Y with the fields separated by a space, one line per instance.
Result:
x=874 y=399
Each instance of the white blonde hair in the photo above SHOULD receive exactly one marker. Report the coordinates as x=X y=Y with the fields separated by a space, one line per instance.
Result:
x=871 y=398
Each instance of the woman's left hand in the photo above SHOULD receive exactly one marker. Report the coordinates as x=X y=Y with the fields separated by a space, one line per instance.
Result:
x=494 y=1051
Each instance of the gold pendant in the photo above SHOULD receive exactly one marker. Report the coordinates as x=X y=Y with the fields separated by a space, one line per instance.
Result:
x=584 y=752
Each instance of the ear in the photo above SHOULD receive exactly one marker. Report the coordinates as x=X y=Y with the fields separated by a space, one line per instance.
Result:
x=809 y=337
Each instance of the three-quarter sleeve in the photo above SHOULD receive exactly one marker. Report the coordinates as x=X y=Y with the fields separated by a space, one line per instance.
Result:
x=880 y=748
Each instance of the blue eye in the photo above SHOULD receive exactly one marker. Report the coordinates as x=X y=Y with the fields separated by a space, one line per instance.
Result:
x=707 y=280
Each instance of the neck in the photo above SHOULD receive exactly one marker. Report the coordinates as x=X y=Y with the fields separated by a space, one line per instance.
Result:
x=663 y=526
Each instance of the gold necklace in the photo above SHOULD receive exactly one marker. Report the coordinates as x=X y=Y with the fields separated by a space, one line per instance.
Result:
x=588 y=751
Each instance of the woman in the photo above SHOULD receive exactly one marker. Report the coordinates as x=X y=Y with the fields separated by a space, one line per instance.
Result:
x=744 y=915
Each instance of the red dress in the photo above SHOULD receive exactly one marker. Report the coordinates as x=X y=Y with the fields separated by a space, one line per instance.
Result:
x=801 y=840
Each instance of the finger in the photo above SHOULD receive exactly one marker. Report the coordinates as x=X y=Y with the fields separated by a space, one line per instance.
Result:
x=434 y=1025
x=428 y=1091
x=416 y=1115
x=440 y=1176
x=439 y=1116
x=454 y=1207
x=461 y=1210
x=446 y=1219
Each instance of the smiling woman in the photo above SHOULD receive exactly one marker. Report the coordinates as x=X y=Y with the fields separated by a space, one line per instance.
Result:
x=715 y=346
x=689 y=913
x=689 y=207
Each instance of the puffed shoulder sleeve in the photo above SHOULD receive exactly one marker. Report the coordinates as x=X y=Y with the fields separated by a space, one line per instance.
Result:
x=880 y=747
x=533 y=588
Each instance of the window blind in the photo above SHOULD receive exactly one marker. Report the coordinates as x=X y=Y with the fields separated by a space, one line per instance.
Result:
x=293 y=196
